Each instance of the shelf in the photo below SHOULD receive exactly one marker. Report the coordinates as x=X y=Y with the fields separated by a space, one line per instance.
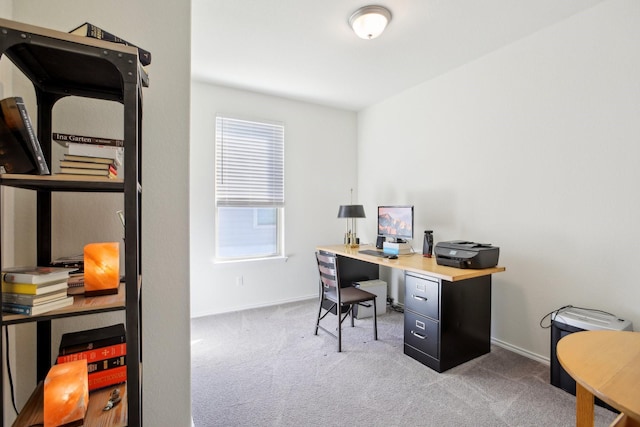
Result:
x=61 y=65
x=59 y=182
x=81 y=305
x=32 y=415
x=45 y=56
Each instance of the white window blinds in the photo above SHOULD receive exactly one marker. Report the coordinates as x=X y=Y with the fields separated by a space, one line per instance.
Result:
x=249 y=163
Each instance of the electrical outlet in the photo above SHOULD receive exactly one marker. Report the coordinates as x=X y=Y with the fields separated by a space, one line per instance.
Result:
x=239 y=281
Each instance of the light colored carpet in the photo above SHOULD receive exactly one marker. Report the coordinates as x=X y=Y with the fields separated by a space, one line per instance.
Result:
x=265 y=367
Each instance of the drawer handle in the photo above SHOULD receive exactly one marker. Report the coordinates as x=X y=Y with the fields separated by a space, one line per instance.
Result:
x=417 y=335
x=419 y=298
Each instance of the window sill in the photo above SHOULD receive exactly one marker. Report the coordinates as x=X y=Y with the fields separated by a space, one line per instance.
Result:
x=217 y=261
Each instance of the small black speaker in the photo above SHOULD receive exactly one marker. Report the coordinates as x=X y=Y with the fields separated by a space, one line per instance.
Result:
x=427 y=245
x=380 y=242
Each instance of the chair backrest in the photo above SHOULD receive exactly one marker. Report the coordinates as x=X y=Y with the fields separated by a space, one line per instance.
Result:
x=328 y=269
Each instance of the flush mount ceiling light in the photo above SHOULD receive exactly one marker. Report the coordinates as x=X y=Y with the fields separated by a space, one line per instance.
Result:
x=369 y=22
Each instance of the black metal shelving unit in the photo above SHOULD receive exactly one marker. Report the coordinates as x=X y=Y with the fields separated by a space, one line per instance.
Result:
x=60 y=65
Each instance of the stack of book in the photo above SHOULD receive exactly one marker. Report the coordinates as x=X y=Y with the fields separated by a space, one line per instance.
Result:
x=89 y=155
x=105 y=351
x=35 y=290
x=85 y=165
x=76 y=277
x=76 y=283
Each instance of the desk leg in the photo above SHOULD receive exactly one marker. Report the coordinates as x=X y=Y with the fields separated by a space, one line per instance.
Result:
x=584 y=407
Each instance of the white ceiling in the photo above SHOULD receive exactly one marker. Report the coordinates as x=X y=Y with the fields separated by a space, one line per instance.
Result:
x=305 y=50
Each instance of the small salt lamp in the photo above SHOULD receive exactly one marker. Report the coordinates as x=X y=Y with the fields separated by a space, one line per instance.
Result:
x=66 y=394
x=101 y=268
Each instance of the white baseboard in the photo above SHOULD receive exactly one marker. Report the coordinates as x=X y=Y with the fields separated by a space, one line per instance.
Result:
x=251 y=306
x=520 y=351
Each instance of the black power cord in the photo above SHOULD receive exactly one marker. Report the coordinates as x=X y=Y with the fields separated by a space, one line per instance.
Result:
x=563 y=308
x=393 y=306
x=13 y=396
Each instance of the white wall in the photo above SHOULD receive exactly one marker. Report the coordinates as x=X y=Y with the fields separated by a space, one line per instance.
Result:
x=165 y=31
x=320 y=162
x=533 y=148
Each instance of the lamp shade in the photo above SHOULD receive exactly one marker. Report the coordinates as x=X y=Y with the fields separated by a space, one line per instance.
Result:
x=101 y=268
x=369 y=22
x=351 y=211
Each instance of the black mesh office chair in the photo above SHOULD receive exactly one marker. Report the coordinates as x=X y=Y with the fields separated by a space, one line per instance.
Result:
x=339 y=297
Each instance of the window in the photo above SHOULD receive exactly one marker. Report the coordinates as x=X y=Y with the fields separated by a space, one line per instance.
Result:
x=249 y=190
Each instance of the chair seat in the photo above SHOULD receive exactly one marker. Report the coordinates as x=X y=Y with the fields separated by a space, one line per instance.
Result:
x=350 y=295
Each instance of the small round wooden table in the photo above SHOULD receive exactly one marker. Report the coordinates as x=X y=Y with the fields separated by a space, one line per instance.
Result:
x=605 y=364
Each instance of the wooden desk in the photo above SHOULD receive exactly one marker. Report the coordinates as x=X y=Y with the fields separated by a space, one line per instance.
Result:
x=605 y=364
x=414 y=262
x=447 y=319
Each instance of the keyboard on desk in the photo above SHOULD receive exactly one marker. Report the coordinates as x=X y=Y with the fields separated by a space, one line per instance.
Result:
x=373 y=252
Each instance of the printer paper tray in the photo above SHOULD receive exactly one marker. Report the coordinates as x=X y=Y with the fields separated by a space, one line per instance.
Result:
x=451 y=262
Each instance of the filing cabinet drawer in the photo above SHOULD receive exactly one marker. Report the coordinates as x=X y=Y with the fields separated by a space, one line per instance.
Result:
x=421 y=333
x=421 y=295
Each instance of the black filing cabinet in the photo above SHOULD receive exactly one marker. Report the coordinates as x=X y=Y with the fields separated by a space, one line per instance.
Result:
x=446 y=323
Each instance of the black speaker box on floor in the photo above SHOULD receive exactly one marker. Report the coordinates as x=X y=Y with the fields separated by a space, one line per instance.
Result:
x=559 y=377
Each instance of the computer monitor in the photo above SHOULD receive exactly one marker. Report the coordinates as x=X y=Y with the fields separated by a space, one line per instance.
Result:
x=395 y=222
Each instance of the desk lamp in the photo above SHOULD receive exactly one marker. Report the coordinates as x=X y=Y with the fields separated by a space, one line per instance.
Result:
x=351 y=212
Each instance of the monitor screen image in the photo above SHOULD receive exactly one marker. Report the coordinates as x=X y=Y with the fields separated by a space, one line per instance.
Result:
x=395 y=222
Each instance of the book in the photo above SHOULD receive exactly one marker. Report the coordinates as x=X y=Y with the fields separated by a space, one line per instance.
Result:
x=76 y=290
x=37 y=309
x=14 y=154
x=75 y=280
x=35 y=274
x=65 y=138
x=18 y=134
x=74 y=261
x=111 y=173
x=107 y=377
x=90 y=30
x=85 y=165
x=95 y=355
x=73 y=342
x=91 y=159
x=105 y=364
x=29 y=299
x=102 y=151
x=76 y=284
x=33 y=289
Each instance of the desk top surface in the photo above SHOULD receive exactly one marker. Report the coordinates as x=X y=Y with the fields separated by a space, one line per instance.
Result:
x=607 y=363
x=414 y=262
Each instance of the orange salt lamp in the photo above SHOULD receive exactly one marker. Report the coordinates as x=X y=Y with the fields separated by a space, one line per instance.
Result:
x=101 y=268
x=66 y=394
